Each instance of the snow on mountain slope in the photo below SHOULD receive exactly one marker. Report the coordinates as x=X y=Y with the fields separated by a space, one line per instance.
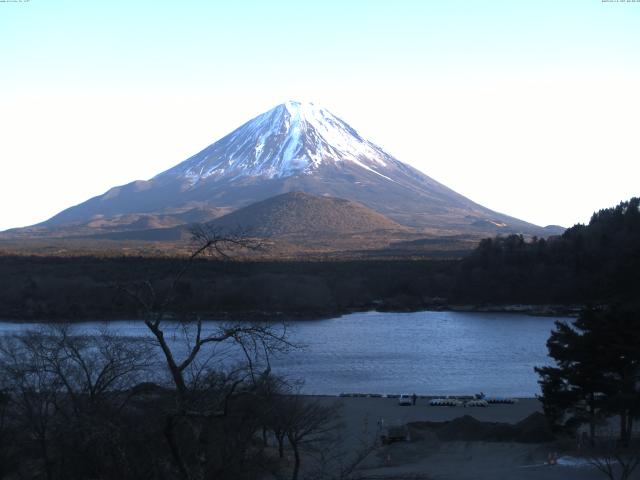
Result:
x=292 y=138
x=297 y=147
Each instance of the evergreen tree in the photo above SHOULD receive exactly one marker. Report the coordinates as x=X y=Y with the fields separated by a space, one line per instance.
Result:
x=621 y=335
x=572 y=392
x=597 y=370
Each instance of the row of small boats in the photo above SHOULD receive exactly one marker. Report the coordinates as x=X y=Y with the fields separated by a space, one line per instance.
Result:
x=449 y=401
x=474 y=402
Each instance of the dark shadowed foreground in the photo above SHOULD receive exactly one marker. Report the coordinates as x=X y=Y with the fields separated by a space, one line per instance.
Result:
x=77 y=407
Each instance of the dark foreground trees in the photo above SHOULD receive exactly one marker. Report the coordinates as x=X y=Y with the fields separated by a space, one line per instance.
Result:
x=597 y=372
x=190 y=401
x=63 y=395
x=74 y=405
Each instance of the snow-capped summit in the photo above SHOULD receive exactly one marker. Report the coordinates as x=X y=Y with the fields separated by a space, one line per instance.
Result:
x=295 y=146
x=294 y=137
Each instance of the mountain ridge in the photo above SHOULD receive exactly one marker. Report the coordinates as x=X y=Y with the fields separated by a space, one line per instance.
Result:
x=296 y=147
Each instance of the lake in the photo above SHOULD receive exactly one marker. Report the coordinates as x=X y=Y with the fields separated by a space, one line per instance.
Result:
x=436 y=353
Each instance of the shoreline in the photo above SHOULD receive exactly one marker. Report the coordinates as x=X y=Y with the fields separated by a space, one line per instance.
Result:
x=363 y=407
x=543 y=310
x=421 y=396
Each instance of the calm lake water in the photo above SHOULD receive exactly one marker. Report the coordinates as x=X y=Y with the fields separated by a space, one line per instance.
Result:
x=422 y=352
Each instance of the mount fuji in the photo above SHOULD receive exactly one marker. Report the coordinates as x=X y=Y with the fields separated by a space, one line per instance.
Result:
x=293 y=147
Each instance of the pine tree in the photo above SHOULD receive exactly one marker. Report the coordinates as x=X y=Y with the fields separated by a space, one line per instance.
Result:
x=597 y=370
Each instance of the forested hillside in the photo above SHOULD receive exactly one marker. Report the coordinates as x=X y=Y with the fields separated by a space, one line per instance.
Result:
x=588 y=264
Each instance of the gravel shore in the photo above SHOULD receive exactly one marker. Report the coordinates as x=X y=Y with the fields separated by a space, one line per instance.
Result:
x=431 y=458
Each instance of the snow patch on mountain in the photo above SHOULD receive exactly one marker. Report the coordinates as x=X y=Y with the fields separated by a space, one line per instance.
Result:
x=293 y=138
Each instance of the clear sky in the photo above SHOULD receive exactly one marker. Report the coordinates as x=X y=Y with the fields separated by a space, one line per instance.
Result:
x=529 y=107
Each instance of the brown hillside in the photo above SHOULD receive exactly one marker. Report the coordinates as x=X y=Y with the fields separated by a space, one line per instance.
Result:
x=298 y=213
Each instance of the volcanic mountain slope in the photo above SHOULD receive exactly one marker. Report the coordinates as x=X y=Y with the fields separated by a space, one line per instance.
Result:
x=297 y=147
x=101 y=225
x=292 y=224
x=298 y=213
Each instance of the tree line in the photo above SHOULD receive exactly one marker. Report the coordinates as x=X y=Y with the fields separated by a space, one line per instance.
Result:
x=598 y=262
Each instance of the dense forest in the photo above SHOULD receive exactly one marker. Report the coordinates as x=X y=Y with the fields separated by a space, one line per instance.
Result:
x=588 y=264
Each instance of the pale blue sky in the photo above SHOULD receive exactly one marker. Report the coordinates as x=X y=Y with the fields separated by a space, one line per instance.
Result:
x=528 y=107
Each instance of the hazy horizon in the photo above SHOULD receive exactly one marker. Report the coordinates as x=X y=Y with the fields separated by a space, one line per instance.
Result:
x=528 y=108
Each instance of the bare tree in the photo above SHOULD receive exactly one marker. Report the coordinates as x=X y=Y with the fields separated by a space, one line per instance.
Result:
x=203 y=394
x=6 y=440
x=90 y=368
x=340 y=463
x=62 y=389
x=306 y=423
x=253 y=339
x=34 y=394
x=613 y=459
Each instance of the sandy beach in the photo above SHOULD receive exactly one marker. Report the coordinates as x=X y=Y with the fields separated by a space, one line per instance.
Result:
x=427 y=456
